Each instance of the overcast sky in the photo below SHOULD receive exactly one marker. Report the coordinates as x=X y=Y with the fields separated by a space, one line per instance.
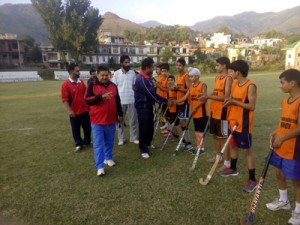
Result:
x=188 y=12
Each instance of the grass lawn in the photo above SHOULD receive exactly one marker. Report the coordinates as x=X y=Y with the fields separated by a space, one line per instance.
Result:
x=43 y=182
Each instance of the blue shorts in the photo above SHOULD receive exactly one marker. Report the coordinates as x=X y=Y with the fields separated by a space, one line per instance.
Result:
x=290 y=168
x=184 y=111
x=241 y=140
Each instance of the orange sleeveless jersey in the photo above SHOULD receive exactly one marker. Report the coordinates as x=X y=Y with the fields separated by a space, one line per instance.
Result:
x=194 y=101
x=289 y=149
x=163 y=82
x=244 y=117
x=172 y=96
x=217 y=112
x=182 y=85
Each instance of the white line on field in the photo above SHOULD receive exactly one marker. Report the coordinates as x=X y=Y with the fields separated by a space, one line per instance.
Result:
x=268 y=109
x=20 y=129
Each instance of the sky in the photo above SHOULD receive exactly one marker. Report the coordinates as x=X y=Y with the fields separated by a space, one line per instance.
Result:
x=181 y=12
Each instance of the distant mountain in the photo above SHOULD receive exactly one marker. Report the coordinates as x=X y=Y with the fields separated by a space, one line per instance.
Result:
x=151 y=23
x=117 y=25
x=22 y=19
x=251 y=23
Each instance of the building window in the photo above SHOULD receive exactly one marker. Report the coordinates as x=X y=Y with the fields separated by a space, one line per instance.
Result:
x=289 y=56
x=91 y=58
x=14 y=56
x=115 y=50
x=298 y=54
x=83 y=59
x=52 y=56
x=141 y=51
x=97 y=58
x=103 y=58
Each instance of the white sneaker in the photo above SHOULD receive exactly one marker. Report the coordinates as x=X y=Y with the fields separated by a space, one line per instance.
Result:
x=145 y=155
x=100 y=172
x=295 y=219
x=109 y=162
x=121 y=143
x=135 y=142
x=152 y=146
x=277 y=205
x=163 y=126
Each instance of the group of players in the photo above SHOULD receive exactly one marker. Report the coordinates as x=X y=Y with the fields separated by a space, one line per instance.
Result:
x=232 y=102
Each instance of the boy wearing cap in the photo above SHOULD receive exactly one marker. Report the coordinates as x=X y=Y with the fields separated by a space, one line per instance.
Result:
x=241 y=111
x=198 y=107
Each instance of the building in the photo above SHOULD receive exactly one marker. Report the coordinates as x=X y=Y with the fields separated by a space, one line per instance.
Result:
x=219 y=39
x=270 y=42
x=54 y=59
x=11 y=50
x=292 y=56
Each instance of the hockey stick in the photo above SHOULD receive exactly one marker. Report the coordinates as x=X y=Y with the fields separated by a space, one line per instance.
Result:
x=250 y=219
x=156 y=109
x=182 y=136
x=157 y=122
x=170 y=131
x=218 y=157
x=199 y=147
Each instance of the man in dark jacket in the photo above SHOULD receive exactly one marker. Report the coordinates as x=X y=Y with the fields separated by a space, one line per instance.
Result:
x=145 y=96
x=103 y=97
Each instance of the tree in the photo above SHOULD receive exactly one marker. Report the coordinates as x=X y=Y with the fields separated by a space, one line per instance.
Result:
x=166 y=54
x=33 y=52
x=72 y=26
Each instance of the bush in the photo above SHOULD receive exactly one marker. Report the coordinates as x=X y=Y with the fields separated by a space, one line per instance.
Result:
x=46 y=74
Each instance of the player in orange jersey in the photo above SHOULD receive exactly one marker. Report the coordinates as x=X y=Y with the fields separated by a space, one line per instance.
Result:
x=286 y=144
x=241 y=111
x=182 y=86
x=218 y=121
x=198 y=108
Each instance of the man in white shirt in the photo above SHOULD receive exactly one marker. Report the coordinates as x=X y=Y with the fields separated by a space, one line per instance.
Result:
x=124 y=78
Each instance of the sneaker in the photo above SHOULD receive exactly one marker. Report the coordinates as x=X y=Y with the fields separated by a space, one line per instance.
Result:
x=100 y=172
x=278 y=204
x=188 y=147
x=295 y=219
x=145 y=155
x=250 y=186
x=121 y=143
x=229 y=172
x=109 y=162
x=163 y=126
x=152 y=146
x=78 y=149
x=135 y=142
x=202 y=151
x=222 y=168
x=212 y=160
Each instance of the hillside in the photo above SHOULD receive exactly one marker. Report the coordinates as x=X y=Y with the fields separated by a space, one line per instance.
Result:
x=117 y=25
x=22 y=19
x=251 y=23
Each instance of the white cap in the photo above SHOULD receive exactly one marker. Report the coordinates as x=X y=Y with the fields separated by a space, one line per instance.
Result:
x=194 y=71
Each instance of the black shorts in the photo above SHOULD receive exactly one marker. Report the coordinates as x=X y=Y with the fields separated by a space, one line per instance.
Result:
x=219 y=128
x=200 y=123
x=171 y=118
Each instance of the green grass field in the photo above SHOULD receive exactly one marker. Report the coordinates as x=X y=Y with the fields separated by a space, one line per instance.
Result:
x=43 y=182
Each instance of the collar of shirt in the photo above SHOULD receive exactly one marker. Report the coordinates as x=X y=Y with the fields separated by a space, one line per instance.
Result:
x=73 y=81
x=144 y=75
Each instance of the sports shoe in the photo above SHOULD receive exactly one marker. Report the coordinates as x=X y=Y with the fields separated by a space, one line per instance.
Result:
x=212 y=160
x=250 y=186
x=152 y=146
x=135 y=142
x=188 y=146
x=278 y=204
x=121 y=143
x=202 y=151
x=145 y=155
x=163 y=126
x=222 y=168
x=78 y=149
x=100 y=172
x=109 y=162
x=295 y=219
x=229 y=172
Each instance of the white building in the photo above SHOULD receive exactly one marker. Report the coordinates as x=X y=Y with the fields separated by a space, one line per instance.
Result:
x=218 y=39
x=266 y=42
x=292 y=58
